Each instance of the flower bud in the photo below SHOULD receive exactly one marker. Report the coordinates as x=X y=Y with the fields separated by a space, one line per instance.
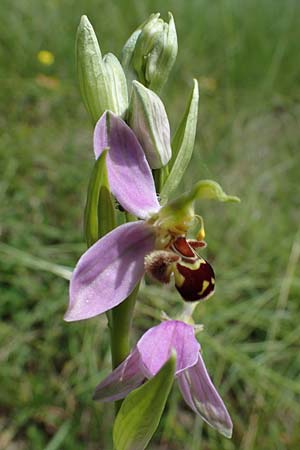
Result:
x=102 y=81
x=117 y=86
x=151 y=51
x=148 y=119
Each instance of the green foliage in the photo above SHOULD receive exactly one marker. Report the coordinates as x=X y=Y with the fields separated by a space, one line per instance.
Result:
x=96 y=223
x=245 y=57
x=182 y=145
x=141 y=411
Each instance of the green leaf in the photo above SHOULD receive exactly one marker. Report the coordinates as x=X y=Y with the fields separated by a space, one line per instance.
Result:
x=182 y=145
x=99 y=214
x=141 y=411
x=106 y=211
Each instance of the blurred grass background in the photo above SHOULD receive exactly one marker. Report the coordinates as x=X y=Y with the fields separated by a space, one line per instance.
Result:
x=245 y=55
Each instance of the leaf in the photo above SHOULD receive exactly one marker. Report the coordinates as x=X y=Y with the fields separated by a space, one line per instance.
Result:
x=33 y=262
x=182 y=145
x=141 y=411
x=99 y=214
x=106 y=211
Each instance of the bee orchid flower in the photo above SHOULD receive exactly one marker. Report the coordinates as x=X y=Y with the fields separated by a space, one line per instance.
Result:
x=150 y=354
x=110 y=269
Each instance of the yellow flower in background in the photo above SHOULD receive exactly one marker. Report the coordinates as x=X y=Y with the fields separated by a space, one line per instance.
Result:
x=45 y=57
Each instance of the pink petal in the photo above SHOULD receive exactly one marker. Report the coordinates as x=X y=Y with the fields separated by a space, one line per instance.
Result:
x=126 y=377
x=200 y=394
x=156 y=344
x=129 y=174
x=108 y=272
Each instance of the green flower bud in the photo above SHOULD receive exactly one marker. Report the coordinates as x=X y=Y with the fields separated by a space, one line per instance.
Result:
x=148 y=119
x=117 y=86
x=102 y=81
x=151 y=51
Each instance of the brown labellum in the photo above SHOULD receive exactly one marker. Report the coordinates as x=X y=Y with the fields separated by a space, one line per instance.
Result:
x=194 y=276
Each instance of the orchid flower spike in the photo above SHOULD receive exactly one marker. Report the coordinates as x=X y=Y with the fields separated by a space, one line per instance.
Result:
x=109 y=270
x=150 y=354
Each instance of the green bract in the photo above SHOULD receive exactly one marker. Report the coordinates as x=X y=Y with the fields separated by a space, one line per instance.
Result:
x=148 y=119
x=182 y=145
x=99 y=214
x=102 y=81
x=151 y=51
x=141 y=411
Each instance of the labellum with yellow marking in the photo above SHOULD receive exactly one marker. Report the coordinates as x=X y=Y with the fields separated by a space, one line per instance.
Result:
x=194 y=276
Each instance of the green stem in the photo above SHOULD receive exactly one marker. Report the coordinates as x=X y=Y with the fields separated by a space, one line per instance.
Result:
x=160 y=177
x=120 y=325
x=130 y=217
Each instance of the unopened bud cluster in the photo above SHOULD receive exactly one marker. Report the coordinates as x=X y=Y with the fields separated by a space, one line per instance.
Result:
x=151 y=51
x=147 y=58
x=130 y=90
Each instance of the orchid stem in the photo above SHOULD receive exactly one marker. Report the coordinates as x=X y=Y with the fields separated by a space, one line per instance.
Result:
x=120 y=325
x=130 y=217
x=160 y=177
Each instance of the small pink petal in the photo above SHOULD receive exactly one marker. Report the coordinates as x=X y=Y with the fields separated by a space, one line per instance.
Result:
x=156 y=344
x=126 y=377
x=109 y=270
x=200 y=394
x=129 y=174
